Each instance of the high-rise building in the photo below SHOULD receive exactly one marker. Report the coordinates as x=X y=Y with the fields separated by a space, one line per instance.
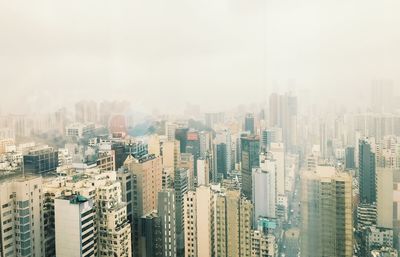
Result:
x=277 y=150
x=211 y=119
x=205 y=143
x=170 y=154
x=21 y=217
x=384 y=198
x=114 y=231
x=203 y=173
x=262 y=245
x=193 y=147
x=187 y=163
x=233 y=224
x=146 y=183
x=265 y=140
x=199 y=222
x=154 y=145
x=367 y=176
x=75 y=226
x=86 y=111
x=111 y=229
x=264 y=189
x=166 y=214
x=181 y=187
x=366 y=216
x=263 y=241
x=249 y=123
x=349 y=158
x=170 y=131
x=181 y=136
x=250 y=147
x=326 y=209
x=283 y=114
x=223 y=160
x=151 y=235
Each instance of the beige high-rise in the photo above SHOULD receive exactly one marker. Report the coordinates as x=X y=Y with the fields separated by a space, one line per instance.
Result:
x=147 y=182
x=233 y=225
x=326 y=209
x=21 y=217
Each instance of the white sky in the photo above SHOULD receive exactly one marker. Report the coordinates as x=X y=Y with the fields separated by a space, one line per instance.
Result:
x=217 y=53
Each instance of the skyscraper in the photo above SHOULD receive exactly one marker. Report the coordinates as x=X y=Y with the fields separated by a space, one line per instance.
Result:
x=203 y=173
x=21 y=217
x=166 y=214
x=233 y=224
x=86 y=111
x=264 y=189
x=326 y=209
x=283 y=114
x=74 y=224
x=367 y=176
x=199 y=222
x=277 y=151
x=193 y=147
x=349 y=158
x=223 y=158
x=181 y=187
x=250 y=146
x=146 y=183
x=151 y=235
x=384 y=198
x=249 y=123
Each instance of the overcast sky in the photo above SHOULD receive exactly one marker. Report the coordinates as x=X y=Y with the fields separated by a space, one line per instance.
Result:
x=217 y=53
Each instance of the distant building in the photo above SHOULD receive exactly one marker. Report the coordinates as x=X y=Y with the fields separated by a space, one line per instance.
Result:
x=86 y=111
x=41 y=160
x=117 y=125
x=250 y=146
x=223 y=158
x=283 y=114
x=367 y=173
x=80 y=130
x=193 y=147
x=349 y=158
x=249 y=123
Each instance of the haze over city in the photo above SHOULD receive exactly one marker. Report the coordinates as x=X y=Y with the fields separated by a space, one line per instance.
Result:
x=164 y=54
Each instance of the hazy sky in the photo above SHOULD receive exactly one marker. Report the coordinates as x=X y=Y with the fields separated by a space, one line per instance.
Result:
x=218 y=53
